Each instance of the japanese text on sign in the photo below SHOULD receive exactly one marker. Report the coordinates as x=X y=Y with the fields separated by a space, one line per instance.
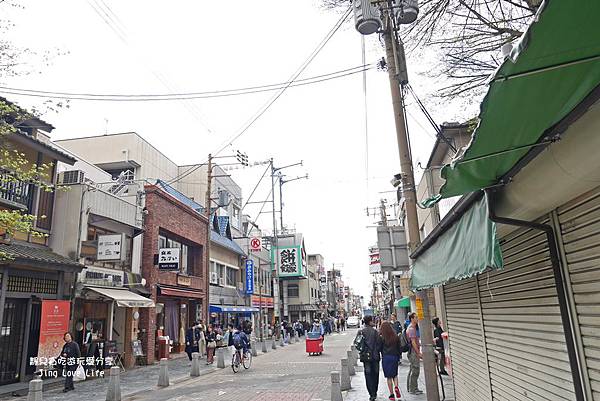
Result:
x=249 y=277
x=168 y=259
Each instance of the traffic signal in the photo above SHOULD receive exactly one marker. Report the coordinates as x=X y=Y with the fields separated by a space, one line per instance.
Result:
x=242 y=158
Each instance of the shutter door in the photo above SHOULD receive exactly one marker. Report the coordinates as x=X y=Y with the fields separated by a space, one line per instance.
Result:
x=526 y=346
x=467 y=352
x=580 y=230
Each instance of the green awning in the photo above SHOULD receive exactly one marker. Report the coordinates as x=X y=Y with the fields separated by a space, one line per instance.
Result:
x=404 y=302
x=554 y=67
x=468 y=247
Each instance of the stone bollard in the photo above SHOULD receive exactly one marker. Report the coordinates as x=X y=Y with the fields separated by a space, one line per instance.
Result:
x=195 y=364
x=351 y=370
x=35 y=390
x=274 y=344
x=336 y=390
x=163 y=373
x=354 y=352
x=345 y=376
x=253 y=348
x=113 y=392
x=220 y=357
x=263 y=345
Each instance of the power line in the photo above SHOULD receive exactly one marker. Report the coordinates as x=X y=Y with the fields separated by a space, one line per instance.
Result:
x=256 y=186
x=188 y=95
x=295 y=76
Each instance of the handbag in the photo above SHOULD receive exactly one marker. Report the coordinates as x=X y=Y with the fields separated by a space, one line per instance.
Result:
x=211 y=344
x=79 y=374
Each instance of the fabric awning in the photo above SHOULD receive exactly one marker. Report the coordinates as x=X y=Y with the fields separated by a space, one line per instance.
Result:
x=231 y=309
x=466 y=248
x=553 y=68
x=123 y=297
x=404 y=302
x=179 y=292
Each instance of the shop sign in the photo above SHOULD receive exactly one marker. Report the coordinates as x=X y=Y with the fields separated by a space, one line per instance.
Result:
x=168 y=259
x=53 y=325
x=419 y=304
x=103 y=277
x=110 y=247
x=374 y=263
x=184 y=280
x=267 y=302
x=249 y=277
x=289 y=261
x=255 y=244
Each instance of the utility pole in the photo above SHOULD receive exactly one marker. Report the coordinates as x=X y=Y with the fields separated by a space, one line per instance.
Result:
x=398 y=78
x=275 y=256
x=208 y=228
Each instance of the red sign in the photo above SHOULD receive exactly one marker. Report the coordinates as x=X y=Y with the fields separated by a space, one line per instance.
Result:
x=267 y=302
x=256 y=244
x=54 y=324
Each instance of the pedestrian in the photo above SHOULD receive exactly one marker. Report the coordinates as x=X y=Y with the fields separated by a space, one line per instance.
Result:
x=390 y=356
x=414 y=355
x=69 y=357
x=211 y=344
x=373 y=344
x=202 y=339
x=192 y=337
x=395 y=324
x=439 y=345
x=228 y=338
x=343 y=322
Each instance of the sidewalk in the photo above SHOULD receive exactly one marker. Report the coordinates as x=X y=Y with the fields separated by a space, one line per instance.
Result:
x=133 y=381
x=358 y=392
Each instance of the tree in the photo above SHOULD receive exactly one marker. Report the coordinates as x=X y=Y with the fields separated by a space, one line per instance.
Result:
x=467 y=36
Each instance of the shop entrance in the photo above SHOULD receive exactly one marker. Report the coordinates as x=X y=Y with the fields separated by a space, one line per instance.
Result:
x=11 y=340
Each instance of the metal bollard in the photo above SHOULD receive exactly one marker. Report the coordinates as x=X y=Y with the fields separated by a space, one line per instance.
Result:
x=336 y=390
x=351 y=370
x=195 y=364
x=274 y=344
x=220 y=358
x=263 y=345
x=253 y=348
x=163 y=373
x=35 y=390
x=113 y=392
x=345 y=376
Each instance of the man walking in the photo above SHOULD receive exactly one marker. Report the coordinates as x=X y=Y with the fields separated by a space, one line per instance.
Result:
x=371 y=364
x=438 y=340
x=414 y=355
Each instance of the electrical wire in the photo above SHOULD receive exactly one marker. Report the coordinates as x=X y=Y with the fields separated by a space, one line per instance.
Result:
x=256 y=186
x=295 y=76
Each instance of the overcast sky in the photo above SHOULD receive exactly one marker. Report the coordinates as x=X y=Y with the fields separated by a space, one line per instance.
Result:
x=136 y=46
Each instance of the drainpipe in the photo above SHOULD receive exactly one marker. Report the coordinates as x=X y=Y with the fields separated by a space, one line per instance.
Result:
x=565 y=312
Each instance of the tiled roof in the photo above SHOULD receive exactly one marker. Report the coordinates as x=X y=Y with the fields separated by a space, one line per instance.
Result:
x=225 y=242
x=20 y=252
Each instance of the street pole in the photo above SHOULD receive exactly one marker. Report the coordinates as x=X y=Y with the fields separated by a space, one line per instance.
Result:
x=281 y=201
x=395 y=55
x=208 y=228
x=274 y=255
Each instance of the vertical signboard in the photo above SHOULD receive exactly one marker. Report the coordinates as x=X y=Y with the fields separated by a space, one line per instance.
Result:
x=419 y=304
x=374 y=263
x=53 y=325
x=289 y=260
x=249 y=277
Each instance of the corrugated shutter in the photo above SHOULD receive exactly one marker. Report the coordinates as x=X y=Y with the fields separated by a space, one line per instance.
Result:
x=580 y=230
x=467 y=351
x=525 y=342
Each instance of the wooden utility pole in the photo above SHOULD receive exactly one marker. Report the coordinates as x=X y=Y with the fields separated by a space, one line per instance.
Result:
x=208 y=229
x=398 y=78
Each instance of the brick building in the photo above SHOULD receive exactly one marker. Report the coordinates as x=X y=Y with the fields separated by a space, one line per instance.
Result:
x=179 y=293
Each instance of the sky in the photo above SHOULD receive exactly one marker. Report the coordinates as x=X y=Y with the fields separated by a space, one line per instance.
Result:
x=133 y=47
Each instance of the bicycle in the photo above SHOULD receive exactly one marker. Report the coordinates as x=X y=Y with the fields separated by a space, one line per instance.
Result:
x=246 y=360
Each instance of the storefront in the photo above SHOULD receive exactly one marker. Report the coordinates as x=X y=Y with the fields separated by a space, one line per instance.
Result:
x=178 y=308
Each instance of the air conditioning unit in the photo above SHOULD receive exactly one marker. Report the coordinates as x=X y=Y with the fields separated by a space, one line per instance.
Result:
x=71 y=177
x=214 y=278
x=221 y=281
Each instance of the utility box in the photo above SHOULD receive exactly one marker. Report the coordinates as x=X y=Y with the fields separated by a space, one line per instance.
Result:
x=393 y=248
x=406 y=11
x=366 y=17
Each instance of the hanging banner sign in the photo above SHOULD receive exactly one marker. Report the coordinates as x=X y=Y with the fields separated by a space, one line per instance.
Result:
x=53 y=325
x=249 y=277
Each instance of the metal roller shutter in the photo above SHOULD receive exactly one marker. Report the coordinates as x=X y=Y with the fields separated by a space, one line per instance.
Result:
x=524 y=337
x=467 y=350
x=580 y=231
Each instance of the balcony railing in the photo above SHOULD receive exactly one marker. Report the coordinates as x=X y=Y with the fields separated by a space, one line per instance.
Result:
x=15 y=192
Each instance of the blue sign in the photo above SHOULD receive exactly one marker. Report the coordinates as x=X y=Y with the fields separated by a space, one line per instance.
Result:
x=249 y=277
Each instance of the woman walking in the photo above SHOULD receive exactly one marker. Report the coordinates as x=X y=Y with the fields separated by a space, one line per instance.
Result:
x=390 y=357
x=211 y=344
x=70 y=354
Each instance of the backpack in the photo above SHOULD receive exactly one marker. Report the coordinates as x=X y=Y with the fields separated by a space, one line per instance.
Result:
x=405 y=344
x=363 y=349
x=237 y=340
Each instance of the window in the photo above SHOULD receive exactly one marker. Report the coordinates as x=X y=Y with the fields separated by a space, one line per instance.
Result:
x=184 y=264
x=214 y=276
x=235 y=217
x=231 y=277
x=221 y=273
x=162 y=241
x=293 y=291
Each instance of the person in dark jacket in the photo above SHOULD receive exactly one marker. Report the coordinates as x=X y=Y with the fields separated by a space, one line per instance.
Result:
x=390 y=356
x=192 y=338
x=438 y=340
x=69 y=356
x=371 y=368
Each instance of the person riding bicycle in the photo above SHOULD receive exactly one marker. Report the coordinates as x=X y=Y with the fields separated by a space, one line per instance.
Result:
x=241 y=341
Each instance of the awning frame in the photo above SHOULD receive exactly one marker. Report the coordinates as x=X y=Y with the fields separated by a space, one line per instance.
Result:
x=126 y=302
